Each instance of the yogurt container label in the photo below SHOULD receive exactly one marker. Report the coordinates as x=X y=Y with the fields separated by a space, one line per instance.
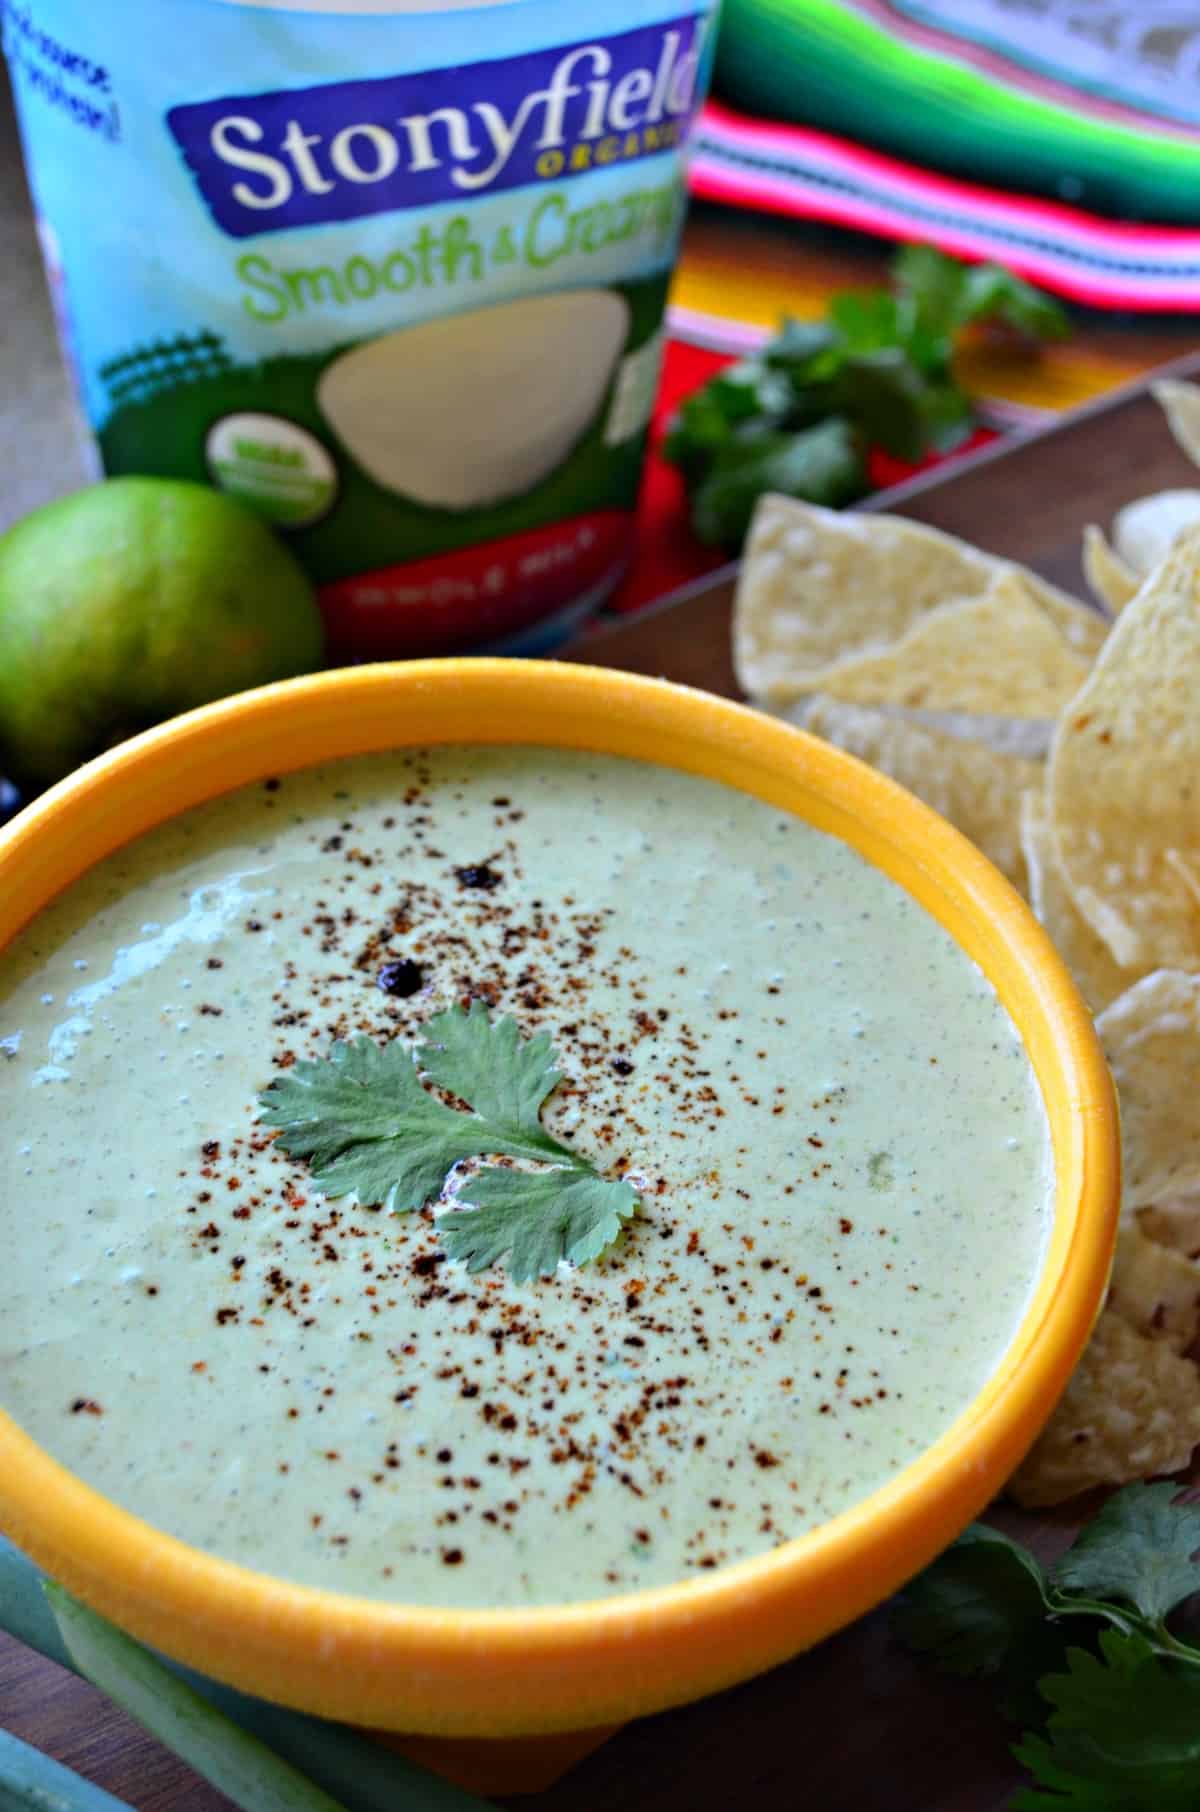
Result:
x=393 y=274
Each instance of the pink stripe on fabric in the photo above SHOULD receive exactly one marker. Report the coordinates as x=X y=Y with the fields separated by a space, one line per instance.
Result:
x=721 y=125
x=719 y=333
x=793 y=196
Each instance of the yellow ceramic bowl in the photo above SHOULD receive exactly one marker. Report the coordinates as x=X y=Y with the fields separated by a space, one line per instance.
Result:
x=513 y=1672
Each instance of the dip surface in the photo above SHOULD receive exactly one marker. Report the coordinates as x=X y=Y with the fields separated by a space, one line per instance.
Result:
x=842 y=1154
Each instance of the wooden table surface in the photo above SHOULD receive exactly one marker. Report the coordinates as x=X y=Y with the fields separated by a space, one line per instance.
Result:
x=854 y=1726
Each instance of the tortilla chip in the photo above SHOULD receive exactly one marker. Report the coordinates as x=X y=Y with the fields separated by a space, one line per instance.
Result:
x=1124 y=775
x=1097 y=976
x=819 y=585
x=1131 y=1411
x=1146 y=530
x=1155 y=1289
x=1175 y=1224
x=977 y=789
x=1110 y=580
x=998 y=653
x=1151 y=1037
x=1027 y=736
x=1181 y=402
x=1181 y=865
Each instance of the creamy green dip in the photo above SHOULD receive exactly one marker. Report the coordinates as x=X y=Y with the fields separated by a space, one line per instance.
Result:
x=842 y=1155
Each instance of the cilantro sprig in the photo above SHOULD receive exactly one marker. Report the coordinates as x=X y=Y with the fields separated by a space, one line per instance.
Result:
x=369 y=1127
x=1084 y=1651
x=801 y=415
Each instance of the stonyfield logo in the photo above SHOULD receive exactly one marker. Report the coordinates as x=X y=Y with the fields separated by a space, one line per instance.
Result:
x=265 y=162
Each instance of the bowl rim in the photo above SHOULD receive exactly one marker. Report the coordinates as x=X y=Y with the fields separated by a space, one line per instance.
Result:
x=524 y=1670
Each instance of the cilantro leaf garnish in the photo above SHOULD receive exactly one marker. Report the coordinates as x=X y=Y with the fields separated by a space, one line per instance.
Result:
x=368 y=1126
x=506 y=1078
x=1138 y=1548
x=536 y=1218
x=1124 y=1735
x=801 y=415
x=1084 y=1652
x=976 y=1606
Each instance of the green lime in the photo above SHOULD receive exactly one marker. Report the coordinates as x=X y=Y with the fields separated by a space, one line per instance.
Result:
x=132 y=601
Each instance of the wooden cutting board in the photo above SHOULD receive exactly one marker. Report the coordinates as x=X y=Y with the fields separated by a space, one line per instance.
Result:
x=856 y=1725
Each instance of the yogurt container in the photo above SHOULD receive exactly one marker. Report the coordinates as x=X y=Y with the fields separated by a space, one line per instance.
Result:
x=392 y=272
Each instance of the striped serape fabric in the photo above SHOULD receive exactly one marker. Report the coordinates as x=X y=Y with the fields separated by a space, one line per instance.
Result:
x=1060 y=137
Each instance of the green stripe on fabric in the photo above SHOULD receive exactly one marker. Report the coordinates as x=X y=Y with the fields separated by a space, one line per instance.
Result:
x=822 y=64
x=1035 y=60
